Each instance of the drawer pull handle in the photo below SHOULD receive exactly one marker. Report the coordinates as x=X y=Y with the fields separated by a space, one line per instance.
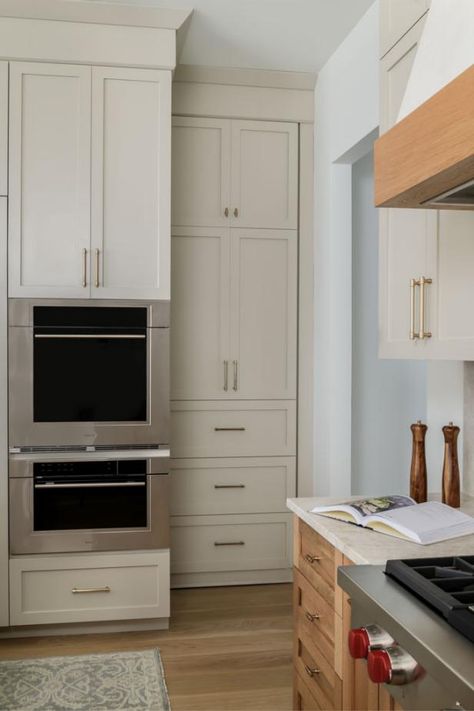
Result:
x=229 y=543
x=105 y=589
x=229 y=429
x=311 y=617
x=311 y=672
x=312 y=558
x=229 y=486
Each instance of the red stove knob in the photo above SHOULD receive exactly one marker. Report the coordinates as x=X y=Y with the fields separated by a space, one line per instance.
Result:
x=359 y=643
x=379 y=666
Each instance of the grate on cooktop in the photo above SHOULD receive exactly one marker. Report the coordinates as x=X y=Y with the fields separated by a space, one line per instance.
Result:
x=446 y=584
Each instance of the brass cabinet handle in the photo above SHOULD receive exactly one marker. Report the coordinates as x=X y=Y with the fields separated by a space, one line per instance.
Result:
x=311 y=672
x=97 y=266
x=423 y=281
x=413 y=284
x=229 y=429
x=229 y=486
x=236 y=212
x=311 y=617
x=229 y=543
x=105 y=589
x=84 y=268
x=226 y=212
x=226 y=375
x=236 y=375
x=312 y=558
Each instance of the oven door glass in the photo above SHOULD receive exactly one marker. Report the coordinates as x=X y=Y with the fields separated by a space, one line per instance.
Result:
x=90 y=364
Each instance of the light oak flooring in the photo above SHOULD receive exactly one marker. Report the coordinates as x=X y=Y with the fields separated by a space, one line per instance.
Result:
x=226 y=649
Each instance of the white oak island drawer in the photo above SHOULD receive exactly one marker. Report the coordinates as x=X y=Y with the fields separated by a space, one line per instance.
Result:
x=85 y=588
x=232 y=485
x=230 y=543
x=233 y=429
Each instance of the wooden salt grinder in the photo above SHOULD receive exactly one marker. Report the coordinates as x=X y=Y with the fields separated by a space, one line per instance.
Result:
x=451 y=487
x=418 y=478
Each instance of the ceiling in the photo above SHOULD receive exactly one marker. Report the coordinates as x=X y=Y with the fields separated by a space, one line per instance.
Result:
x=291 y=35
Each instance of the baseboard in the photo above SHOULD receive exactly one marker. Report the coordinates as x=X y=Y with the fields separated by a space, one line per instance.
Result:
x=240 y=577
x=85 y=628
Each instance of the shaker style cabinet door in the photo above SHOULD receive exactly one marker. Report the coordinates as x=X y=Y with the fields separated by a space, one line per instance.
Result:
x=49 y=180
x=200 y=313
x=200 y=175
x=3 y=128
x=263 y=313
x=264 y=175
x=131 y=137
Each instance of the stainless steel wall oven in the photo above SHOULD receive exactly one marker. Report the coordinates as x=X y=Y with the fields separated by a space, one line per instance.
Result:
x=65 y=503
x=88 y=373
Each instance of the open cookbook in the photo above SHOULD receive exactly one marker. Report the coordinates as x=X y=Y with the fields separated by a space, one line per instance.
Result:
x=402 y=517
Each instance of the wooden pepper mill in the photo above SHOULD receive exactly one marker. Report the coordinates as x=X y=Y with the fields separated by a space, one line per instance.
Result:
x=451 y=487
x=418 y=478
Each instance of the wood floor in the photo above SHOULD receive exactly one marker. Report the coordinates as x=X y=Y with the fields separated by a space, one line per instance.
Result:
x=226 y=649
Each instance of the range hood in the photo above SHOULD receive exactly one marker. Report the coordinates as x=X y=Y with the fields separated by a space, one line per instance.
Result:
x=427 y=159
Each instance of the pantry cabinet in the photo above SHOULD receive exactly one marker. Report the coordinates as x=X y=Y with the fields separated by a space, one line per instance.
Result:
x=89 y=177
x=234 y=313
x=235 y=173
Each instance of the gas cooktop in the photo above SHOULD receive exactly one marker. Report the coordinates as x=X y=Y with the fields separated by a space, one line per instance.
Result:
x=446 y=584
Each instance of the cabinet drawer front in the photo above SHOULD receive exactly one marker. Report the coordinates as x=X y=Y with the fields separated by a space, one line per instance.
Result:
x=303 y=699
x=316 y=560
x=314 y=618
x=320 y=677
x=77 y=588
x=231 y=486
x=213 y=429
x=238 y=543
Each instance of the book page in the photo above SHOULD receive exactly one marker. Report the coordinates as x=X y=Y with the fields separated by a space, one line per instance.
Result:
x=356 y=511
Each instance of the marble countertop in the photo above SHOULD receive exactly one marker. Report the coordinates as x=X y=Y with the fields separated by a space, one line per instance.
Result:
x=364 y=546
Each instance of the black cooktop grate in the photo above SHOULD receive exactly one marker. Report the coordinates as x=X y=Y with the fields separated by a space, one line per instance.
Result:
x=446 y=584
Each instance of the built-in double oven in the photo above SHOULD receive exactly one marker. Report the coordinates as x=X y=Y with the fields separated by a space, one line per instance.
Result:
x=88 y=425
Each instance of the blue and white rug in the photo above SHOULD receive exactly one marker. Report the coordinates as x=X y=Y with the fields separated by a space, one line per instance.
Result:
x=130 y=681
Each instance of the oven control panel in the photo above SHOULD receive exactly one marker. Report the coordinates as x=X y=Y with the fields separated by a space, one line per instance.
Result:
x=387 y=662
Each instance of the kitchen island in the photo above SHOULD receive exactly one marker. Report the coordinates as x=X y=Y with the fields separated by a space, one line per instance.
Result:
x=326 y=677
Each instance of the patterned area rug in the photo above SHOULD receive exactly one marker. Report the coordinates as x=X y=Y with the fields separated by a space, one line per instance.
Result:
x=125 y=680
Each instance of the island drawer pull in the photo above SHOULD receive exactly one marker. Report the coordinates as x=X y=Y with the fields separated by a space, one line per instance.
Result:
x=311 y=672
x=105 y=589
x=312 y=558
x=311 y=617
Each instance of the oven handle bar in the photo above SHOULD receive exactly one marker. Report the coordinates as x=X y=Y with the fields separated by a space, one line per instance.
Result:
x=134 y=336
x=91 y=485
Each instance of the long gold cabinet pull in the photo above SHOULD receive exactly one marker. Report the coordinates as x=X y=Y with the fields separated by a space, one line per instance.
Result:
x=413 y=284
x=423 y=282
x=84 y=267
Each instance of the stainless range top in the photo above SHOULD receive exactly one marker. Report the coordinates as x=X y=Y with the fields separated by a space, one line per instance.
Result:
x=446 y=656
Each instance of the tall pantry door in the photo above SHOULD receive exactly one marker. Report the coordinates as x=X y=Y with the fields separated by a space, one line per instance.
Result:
x=49 y=180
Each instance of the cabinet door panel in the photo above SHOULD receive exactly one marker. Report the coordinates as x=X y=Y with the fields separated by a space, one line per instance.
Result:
x=264 y=174
x=200 y=171
x=3 y=128
x=49 y=174
x=263 y=313
x=131 y=183
x=199 y=313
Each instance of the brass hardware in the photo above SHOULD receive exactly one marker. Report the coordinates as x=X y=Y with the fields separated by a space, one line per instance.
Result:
x=105 y=589
x=226 y=212
x=312 y=558
x=84 y=268
x=229 y=486
x=413 y=284
x=236 y=212
x=97 y=266
x=229 y=543
x=229 y=429
x=311 y=617
x=226 y=375
x=423 y=281
x=311 y=672
x=236 y=375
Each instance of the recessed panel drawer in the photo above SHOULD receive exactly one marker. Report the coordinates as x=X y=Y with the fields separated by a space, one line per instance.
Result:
x=233 y=429
x=319 y=675
x=316 y=560
x=303 y=699
x=84 y=588
x=231 y=486
x=314 y=618
x=230 y=543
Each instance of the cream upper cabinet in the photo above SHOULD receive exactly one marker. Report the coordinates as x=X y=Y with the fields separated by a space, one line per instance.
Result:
x=49 y=179
x=200 y=297
x=89 y=169
x=263 y=313
x=396 y=18
x=131 y=127
x=3 y=128
x=236 y=173
x=201 y=172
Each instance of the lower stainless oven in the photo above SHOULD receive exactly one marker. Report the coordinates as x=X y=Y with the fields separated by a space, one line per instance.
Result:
x=84 y=502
